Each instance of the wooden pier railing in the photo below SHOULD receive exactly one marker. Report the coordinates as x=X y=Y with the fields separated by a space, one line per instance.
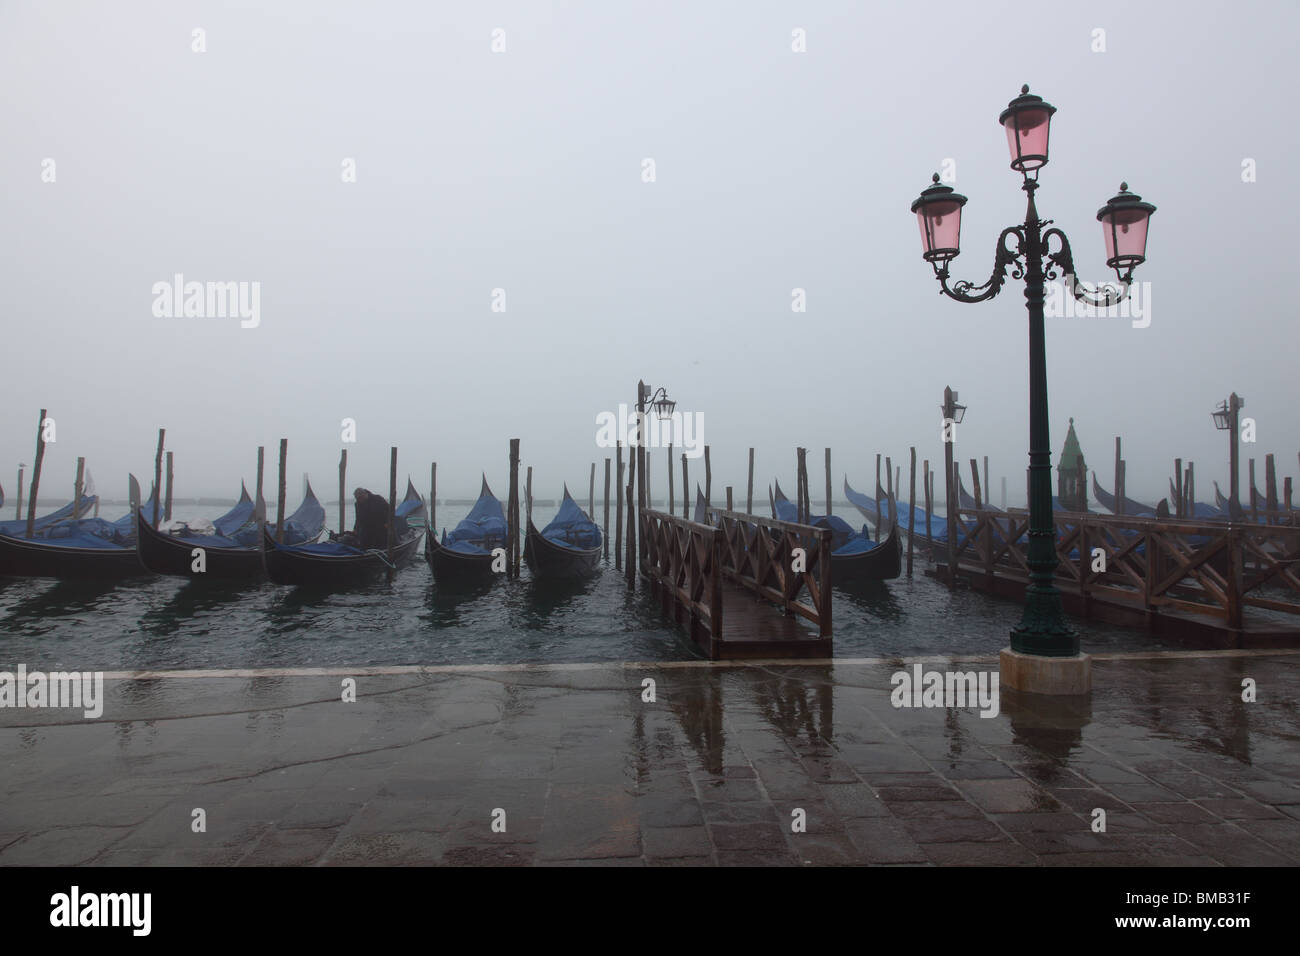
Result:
x=1210 y=568
x=759 y=555
x=689 y=567
x=683 y=564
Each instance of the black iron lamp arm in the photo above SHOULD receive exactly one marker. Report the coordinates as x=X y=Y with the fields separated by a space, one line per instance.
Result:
x=965 y=291
x=1106 y=294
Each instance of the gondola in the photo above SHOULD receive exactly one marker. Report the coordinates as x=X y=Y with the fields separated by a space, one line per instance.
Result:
x=1200 y=510
x=232 y=551
x=968 y=502
x=854 y=556
x=867 y=506
x=466 y=553
x=568 y=547
x=18 y=528
x=76 y=548
x=335 y=566
x=1132 y=509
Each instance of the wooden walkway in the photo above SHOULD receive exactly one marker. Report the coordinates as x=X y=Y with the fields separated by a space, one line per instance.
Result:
x=743 y=586
x=1218 y=583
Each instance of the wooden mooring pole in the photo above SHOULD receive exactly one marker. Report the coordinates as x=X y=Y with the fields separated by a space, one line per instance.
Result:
x=1179 y=501
x=157 y=477
x=259 y=503
x=1254 y=498
x=433 y=499
x=629 y=561
x=605 y=529
x=911 y=510
x=512 y=555
x=167 y=502
x=975 y=480
x=1119 y=467
x=591 y=493
x=749 y=494
x=618 y=511
x=281 y=491
x=927 y=477
x=672 y=487
x=343 y=490
x=708 y=479
x=36 y=475
x=877 y=496
x=1270 y=489
x=686 y=498
x=18 y=514
x=828 y=481
x=889 y=484
x=392 y=510
x=77 y=488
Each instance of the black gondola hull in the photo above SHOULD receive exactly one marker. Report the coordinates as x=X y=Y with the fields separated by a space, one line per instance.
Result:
x=36 y=558
x=166 y=554
x=883 y=563
x=552 y=562
x=454 y=567
x=331 y=572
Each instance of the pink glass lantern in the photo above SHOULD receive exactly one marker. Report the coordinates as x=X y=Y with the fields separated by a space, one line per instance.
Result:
x=938 y=212
x=1124 y=220
x=1027 y=120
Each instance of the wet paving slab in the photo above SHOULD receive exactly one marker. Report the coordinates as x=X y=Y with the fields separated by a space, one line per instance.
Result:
x=1176 y=759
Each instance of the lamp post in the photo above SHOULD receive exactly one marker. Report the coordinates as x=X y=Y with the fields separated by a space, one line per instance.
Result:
x=1226 y=419
x=1042 y=631
x=663 y=407
x=953 y=413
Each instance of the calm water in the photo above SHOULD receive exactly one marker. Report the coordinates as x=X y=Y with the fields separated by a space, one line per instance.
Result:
x=159 y=622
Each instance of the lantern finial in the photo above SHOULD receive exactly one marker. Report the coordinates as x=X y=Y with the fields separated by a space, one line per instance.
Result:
x=1024 y=89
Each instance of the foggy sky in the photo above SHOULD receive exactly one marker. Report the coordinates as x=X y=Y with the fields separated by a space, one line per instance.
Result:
x=522 y=170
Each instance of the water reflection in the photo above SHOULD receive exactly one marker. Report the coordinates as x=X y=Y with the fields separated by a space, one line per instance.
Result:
x=873 y=599
x=63 y=598
x=1051 y=726
x=192 y=599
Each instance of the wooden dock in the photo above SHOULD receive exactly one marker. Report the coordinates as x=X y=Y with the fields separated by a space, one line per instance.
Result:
x=739 y=586
x=1225 y=584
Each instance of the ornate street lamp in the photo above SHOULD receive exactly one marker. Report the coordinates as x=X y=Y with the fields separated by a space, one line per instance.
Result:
x=1027 y=120
x=664 y=408
x=952 y=412
x=1226 y=418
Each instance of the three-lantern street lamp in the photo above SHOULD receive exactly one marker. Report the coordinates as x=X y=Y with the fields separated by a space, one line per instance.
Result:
x=1125 y=217
x=1226 y=418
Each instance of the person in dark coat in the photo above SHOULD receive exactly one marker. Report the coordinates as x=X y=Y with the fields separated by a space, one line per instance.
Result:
x=371 y=527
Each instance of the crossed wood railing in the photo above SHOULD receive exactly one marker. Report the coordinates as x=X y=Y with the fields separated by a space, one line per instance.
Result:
x=683 y=564
x=686 y=564
x=788 y=564
x=1208 y=567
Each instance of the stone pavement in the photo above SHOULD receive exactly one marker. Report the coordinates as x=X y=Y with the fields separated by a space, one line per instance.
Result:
x=580 y=769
